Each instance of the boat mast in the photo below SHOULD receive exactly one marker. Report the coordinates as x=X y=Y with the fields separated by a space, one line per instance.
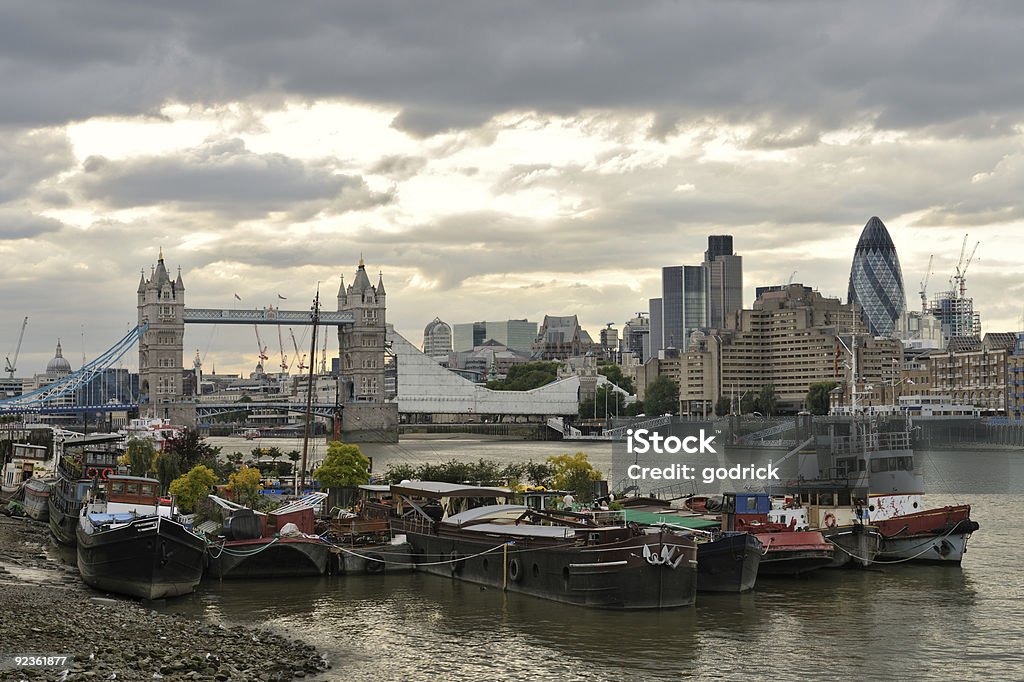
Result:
x=309 y=388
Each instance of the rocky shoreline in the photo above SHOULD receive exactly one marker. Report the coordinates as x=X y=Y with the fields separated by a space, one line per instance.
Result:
x=48 y=610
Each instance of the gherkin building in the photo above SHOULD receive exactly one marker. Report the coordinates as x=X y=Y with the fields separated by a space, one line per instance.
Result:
x=876 y=281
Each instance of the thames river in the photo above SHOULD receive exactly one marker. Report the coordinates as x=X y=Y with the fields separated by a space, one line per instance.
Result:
x=900 y=621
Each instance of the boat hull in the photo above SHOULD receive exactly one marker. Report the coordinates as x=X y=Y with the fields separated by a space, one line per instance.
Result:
x=36 y=494
x=613 y=576
x=932 y=536
x=728 y=564
x=62 y=526
x=269 y=558
x=793 y=553
x=149 y=558
x=856 y=546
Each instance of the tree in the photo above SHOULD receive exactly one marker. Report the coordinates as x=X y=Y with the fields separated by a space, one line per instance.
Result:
x=539 y=473
x=294 y=456
x=768 y=400
x=168 y=468
x=344 y=466
x=140 y=457
x=662 y=397
x=819 y=395
x=192 y=449
x=635 y=408
x=574 y=473
x=748 y=402
x=615 y=375
x=245 y=485
x=526 y=377
x=607 y=403
x=397 y=473
x=722 y=406
x=190 y=489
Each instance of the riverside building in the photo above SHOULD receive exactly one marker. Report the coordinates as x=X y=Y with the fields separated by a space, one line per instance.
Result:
x=790 y=338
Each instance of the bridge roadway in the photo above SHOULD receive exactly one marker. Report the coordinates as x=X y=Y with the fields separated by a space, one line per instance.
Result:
x=269 y=315
x=202 y=409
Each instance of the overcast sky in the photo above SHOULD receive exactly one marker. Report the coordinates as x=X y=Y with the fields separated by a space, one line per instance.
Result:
x=494 y=160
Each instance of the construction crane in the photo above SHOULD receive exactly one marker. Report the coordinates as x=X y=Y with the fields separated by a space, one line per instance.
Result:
x=260 y=346
x=284 y=358
x=924 y=285
x=12 y=365
x=300 y=357
x=959 y=280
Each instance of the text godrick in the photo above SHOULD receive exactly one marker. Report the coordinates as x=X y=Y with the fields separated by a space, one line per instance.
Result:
x=684 y=472
x=643 y=441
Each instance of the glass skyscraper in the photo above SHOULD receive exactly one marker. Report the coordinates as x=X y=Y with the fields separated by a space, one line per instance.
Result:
x=876 y=281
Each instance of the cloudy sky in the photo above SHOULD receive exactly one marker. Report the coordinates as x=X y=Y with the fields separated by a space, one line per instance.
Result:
x=494 y=160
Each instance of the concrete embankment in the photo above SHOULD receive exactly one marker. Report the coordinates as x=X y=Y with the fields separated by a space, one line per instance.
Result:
x=48 y=610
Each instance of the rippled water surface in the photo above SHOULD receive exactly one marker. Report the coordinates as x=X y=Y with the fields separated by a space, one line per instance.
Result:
x=904 y=621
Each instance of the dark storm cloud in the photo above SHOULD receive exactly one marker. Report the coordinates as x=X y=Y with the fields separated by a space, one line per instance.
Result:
x=223 y=177
x=26 y=158
x=455 y=64
x=19 y=224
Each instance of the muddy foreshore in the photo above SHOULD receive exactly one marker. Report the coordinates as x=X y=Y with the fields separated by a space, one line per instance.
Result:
x=45 y=609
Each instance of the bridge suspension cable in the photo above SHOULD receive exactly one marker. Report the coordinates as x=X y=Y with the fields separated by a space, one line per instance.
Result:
x=72 y=382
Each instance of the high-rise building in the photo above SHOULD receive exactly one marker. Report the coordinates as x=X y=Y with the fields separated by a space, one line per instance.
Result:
x=437 y=338
x=683 y=304
x=635 y=347
x=788 y=339
x=724 y=272
x=655 y=328
x=515 y=334
x=469 y=335
x=876 y=281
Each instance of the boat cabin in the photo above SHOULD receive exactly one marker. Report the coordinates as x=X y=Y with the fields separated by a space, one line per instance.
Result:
x=742 y=510
x=440 y=500
x=135 y=495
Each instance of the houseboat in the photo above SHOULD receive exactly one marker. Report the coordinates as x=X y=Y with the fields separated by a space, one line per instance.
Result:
x=130 y=543
x=598 y=560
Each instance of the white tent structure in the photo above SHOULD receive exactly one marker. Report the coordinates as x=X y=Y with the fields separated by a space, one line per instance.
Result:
x=425 y=387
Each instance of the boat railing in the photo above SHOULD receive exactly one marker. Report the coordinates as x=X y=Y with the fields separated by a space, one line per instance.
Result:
x=69 y=469
x=605 y=518
x=871 y=442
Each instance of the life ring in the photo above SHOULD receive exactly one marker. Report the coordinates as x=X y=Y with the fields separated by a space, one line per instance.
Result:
x=91 y=472
x=515 y=571
x=374 y=563
x=107 y=473
x=457 y=562
x=830 y=520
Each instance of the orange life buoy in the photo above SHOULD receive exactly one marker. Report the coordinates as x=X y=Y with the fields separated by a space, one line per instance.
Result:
x=91 y=472
x=107 y=473
x=830 y=520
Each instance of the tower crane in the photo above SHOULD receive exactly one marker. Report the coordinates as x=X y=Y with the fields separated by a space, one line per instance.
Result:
x=959 y=280
x=260 y=346
x=284 y=358
x=12 y=365
x=301 y=358
x=924 y=285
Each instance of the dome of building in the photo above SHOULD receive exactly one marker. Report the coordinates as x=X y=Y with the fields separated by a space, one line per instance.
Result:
x=876 y=281
x=58 y=366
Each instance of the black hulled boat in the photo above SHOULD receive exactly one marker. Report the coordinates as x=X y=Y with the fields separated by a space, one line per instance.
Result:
x=130 y=544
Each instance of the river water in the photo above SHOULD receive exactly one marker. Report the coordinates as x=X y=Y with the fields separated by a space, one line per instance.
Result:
x=901 y=621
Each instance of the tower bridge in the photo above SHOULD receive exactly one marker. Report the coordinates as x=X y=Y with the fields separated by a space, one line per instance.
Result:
x=360 y=321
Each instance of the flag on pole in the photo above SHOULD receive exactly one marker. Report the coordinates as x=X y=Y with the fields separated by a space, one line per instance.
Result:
x=238 y=297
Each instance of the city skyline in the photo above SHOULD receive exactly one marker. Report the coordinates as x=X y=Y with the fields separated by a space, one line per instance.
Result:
x=549 y=168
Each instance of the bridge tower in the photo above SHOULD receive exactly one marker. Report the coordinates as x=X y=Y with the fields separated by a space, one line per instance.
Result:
x=161 y=304
x=366 y=416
